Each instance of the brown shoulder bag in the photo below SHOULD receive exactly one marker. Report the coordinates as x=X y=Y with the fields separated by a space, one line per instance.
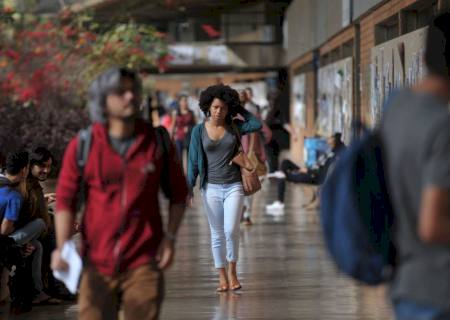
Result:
x=250 y=180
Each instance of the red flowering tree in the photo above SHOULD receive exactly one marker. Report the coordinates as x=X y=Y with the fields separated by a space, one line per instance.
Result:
x=46 y=65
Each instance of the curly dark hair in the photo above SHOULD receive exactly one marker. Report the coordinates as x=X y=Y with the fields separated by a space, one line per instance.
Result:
x=225 y=93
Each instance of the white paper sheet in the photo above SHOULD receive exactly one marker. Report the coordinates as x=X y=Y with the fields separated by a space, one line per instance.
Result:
x=71 y=277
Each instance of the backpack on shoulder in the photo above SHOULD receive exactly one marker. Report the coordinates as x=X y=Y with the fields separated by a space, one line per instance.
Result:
x=356 y=212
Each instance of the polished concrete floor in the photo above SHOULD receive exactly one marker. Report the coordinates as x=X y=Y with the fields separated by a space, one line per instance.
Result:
x=284 y=270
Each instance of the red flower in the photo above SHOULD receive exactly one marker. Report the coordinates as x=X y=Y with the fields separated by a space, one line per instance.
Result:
x=50 y=67
x=27 y=94
x=66 y=84
x=137 y=52
x=10 y=76
x=90 y=36
x=12 y=54
x=35 y=34
x=163 y=62
x=138 y=38
x=47 y=26
x=69 y=31
x=59 y=57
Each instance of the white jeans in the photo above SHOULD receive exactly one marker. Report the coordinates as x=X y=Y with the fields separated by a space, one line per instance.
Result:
x=223 y=206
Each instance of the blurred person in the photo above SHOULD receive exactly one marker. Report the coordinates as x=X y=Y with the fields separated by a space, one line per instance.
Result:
x=165 y=119
x=253 y=142
x=173 y=104
x=315 y=175
x=184 y=122
x=15 y=171
x=35 y=201
x=415 y=132
x=214 y=144
x=193 y=106
x=125 y=248
x=11 y=203
x=281 y=129
x=35 y=208
x=249 y=104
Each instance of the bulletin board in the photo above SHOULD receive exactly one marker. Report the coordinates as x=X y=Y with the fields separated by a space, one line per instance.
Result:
x=335 y=99
x=299 y=100
x=395 y=64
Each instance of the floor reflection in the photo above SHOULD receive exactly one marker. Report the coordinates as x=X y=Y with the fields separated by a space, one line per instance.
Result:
x=284 y=269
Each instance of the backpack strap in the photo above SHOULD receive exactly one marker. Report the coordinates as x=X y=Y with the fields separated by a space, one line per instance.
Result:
x=83 y=148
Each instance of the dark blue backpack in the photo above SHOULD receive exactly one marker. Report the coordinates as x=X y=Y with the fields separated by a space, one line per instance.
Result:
x=356 y=212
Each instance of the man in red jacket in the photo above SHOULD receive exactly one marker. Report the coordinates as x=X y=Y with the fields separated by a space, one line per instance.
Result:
x=124 y=246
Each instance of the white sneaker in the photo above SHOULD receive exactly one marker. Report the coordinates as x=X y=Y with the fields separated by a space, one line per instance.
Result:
x=276 y=206
x=275 y=213
x=277 y=174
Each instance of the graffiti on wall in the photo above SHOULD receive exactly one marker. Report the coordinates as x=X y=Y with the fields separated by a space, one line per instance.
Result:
x=335 y=99
x=395 y=64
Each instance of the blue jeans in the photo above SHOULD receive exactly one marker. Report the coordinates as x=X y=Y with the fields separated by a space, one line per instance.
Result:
x=179 y=145
x=407 y=310
x=29 y=234
x=223 y=205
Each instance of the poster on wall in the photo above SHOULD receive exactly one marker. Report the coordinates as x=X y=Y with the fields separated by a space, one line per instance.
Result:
x=299 y=100
x=335 y=99
x=395 y=64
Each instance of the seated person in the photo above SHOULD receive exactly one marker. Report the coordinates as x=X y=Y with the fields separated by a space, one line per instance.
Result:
x=36 y=205
x=314 y=175
x=11 y=203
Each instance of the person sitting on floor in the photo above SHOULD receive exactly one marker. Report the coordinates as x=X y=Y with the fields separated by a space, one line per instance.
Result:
x=24 y=232
x=314 y=175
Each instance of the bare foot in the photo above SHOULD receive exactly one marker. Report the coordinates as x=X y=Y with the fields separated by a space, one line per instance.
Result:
x=223 y=280
x=232 y=275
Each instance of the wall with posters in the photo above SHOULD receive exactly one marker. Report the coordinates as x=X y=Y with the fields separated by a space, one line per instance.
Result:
x=335 y=99
x=298 y=114
x=395 y=64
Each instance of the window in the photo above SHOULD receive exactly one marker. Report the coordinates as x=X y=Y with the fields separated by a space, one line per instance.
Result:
x=387 y=30
x=418 y=15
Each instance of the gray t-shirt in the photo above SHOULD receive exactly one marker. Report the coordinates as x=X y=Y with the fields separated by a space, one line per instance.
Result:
x=219 y=154
x=121 y=146
x=416 y=134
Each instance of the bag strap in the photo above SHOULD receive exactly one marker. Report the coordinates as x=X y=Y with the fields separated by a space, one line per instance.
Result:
x=252 y=142
x=237 y=134
x=82 y=154
x=83 y=148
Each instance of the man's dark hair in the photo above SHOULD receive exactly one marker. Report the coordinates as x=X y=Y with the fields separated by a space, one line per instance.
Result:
x=337 y=136
x=40 y=155
x=15 y=162
x=106 y=83
x=225 y=93
x=437 y=51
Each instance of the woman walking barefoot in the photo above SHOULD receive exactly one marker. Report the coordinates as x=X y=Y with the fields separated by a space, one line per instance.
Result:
x=213 y=145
